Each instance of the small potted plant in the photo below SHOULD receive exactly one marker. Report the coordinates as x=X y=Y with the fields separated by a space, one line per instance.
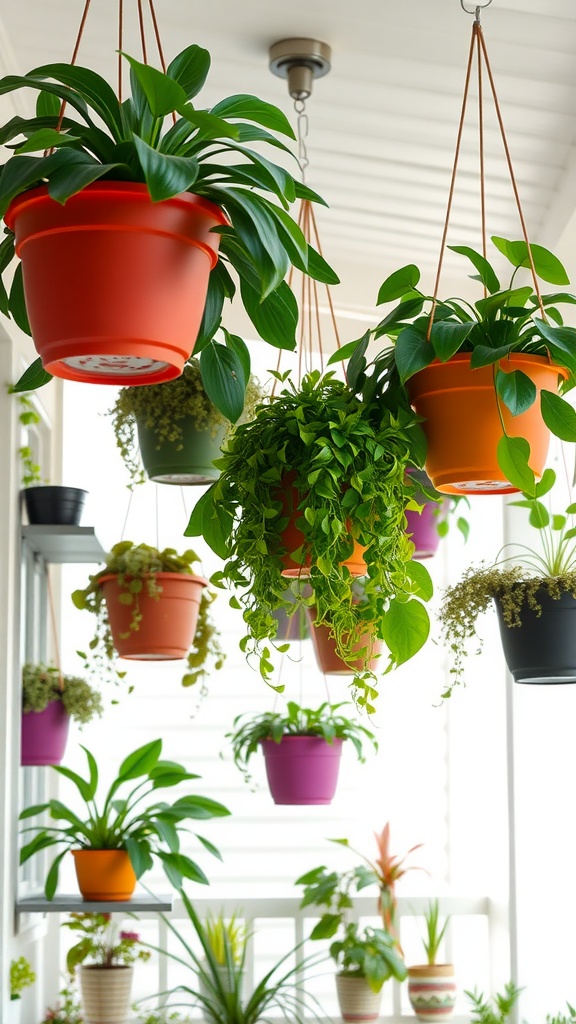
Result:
x=461 y=365
x=105 y=958
x=301 y=747
x=533 y=590
x=149 y=604
x=114 y=845
x=184 y=200
x=21 y=977
x=314 y=488
x=179 y=430
x=49 y=700
x=431 y=986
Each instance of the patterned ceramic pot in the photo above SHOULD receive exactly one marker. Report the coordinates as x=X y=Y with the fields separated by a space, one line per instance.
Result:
x=358 y=1003
x=432 y=991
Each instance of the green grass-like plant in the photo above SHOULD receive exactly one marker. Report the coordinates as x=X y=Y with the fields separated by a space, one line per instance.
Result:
x=435 y=931
x=497 y=1010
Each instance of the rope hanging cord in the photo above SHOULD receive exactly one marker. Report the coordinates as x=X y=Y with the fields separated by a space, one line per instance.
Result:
x=478 y=44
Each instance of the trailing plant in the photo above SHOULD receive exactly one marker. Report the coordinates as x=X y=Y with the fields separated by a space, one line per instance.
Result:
x=346 y=460
x=136 y=821
x=158 y=136
x=163 y=408
x=434 y=931
x=370 y=953
x=44 y=684
x=136 y=566
x=250 y=729
x=102 y=943
x=21 y=976
x=218 y=995
x=516 y=581
x=508 y=319
x=497 y=1010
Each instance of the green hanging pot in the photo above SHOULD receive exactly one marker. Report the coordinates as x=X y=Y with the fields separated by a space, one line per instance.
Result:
x=188 y=461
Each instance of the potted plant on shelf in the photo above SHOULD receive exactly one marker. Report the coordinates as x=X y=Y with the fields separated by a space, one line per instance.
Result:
x=49 y=700
x=114 y=845
x=106 y=979
x=534 y=592
x=21 y=977
x=314 y=488
x=301 y=747
x=45 y=504
x=178 y=429
x=431 y=986
x=156 y=170
x=149 y=605
x=461 y=365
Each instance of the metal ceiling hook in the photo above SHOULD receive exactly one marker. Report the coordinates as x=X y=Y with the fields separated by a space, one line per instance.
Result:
x=477 y=8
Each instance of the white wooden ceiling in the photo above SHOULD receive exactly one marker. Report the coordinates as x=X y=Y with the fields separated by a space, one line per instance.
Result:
x=382 y=124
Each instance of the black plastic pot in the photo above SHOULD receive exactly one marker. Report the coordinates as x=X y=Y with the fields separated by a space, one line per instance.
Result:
x=54 y=506
x=543 y=648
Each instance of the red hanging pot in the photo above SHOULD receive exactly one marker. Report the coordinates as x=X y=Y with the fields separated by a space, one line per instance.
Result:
x=168 y=622
x=462 y=425
x=115 y=284
x=302 y=769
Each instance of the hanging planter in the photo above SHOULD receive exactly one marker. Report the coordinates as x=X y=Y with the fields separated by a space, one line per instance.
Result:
x=296 y=562
x=302 y=769
x=49 y=700
x=368 y=649
x=542 y=648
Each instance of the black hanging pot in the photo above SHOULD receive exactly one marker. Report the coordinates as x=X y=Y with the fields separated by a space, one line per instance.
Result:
x=543 y=648
x=54 y=506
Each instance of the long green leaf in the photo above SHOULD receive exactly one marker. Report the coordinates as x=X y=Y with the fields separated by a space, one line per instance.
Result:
x=516 y=390
x=190 y=69
x=223 y=379
x=207 y=126
x=513 y=455
x=139 y=854
x=141 y=761
x=412 y=352
x=558 y=415
x=166 y=176
x=17 y=302
x=398 y=284
x=547 y=266
x=45 y=138
x=251 y=108
x=259 y=236
x=164 y=94
x=82 y=785
x=485 y=270
x=447 y=337
x=79 y=171
x=275 y=317
x=205 y=522
x=51 y=883
x=561 y=339
x=239 y=346
x=33 y=378
x=91 y=86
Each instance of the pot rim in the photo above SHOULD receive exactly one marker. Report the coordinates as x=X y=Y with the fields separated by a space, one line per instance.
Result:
x=160 y=575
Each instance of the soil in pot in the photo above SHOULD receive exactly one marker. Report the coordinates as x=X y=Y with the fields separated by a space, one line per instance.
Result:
x=543 y=648
x=302 y=769
x=54 y=506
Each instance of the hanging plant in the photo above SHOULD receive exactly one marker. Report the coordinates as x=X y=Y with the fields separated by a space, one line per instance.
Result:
x=339 y=465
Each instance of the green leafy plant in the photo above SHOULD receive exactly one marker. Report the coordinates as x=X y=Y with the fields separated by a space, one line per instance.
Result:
x=67 y=1010
x=28 y=416
x=164 y=407
x=515 y=581
x=497 y=1010
x=562 y=1018
x=218 y=994
x=505 y=321
x=249 y=730
x=370 y=953
x=225 y=935
x=158 y=136
x=136 y=822
x=446 y=508
x=346 y=460
x=43 y=684
x=102 y=943
x=136 y=566
x=21 y=976
x=435 y=931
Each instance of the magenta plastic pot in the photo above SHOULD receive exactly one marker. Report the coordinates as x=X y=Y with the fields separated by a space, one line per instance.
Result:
x=423 y=528
x=44 y=735
x=302 y=769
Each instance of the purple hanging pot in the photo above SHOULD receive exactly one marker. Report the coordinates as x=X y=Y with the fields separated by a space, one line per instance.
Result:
x=44 y=735
x=302 y=769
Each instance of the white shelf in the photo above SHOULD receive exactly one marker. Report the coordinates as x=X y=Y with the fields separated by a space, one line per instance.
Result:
x=66 y=904
x=59 y=544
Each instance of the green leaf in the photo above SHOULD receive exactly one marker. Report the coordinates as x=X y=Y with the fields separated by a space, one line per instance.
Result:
x=484 y=355
x=45 y=138
x=47 y=105
x=447 y=337
x=346 y=351
x=513 y=456
x=139 y=854
x=253 y=109
x=190 y=69
x=83 y=786
x=562 y=341
x=211 y=521
x=33 y=378
x=224 y=380
x=166 y=176
x=17 y=301
x=51 y=883
x=405 y=628
x=396 y=317
x=275 y=317
x=421 y=579
x=547 y=266
x=558 y=415
x=486 y=272
x=412 y=352
x=398 y=284
x=79 y=170
x=164 y=94
x=357 y=363
x=239 y=346
x=94 y=89
x=140 y=762
x=516 y=390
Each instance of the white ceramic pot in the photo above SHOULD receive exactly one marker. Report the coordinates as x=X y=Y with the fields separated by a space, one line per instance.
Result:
x=106 y=994
x=358 y=1002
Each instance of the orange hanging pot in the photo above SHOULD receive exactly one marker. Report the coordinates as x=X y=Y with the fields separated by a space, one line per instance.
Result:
x=368 y=647
x=292 y=538
x=104 y=874
x=115 y=284
x=168 y=621
x=462 y=426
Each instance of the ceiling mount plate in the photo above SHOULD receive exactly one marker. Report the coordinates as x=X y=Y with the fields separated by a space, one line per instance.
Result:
x=300 y=61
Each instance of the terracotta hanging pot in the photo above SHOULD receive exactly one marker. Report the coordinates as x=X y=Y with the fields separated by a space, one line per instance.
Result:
x=115 y=284
x=330 y=662
x=302 y=769
x=432 y=991
x=358 y=1003
x=292 y=538
x=44 y=735
x=543 y=648
x=168 y=622
x=190 y=461
x=104 y=874
x=106 y=993
x=462 y=425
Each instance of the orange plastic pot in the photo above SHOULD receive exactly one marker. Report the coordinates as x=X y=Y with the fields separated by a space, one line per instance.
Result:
x=115 y=284
x=462 y=425
x=104 y=874
x=166 y=629
x=292 y=538
x=330 y=662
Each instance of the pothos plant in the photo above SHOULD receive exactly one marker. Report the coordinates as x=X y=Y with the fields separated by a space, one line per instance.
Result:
x=345 y=459
x=509 y=319
x=137 y=566
x=160 y=137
